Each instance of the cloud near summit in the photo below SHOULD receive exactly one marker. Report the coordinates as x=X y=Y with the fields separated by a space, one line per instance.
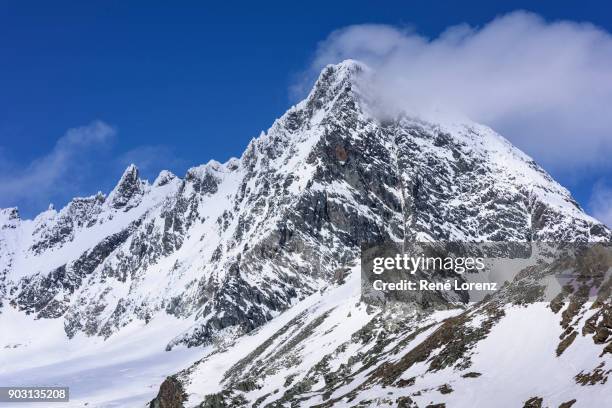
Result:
x=547 y=86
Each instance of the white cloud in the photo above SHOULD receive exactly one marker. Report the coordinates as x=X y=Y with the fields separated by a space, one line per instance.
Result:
x=601 y=203
x=547 y=86
x=54 y=172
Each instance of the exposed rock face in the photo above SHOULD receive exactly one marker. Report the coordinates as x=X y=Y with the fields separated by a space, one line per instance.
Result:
x=233 y=245
x=128 y=191
x=535 y=402
x=171 y=395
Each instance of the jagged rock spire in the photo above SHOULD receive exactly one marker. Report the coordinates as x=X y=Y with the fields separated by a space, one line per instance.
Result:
x=128 y=188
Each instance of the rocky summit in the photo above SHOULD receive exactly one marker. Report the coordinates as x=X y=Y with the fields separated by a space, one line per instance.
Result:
x=238 y=284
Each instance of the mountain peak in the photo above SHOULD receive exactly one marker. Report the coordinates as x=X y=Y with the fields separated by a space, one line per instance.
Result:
x=164 y=177
x=130 y=171
x=333 y=80
x=127 y=189
x=346 y=69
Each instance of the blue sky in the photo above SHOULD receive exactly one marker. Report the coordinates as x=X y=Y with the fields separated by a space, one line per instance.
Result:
x=184 y=84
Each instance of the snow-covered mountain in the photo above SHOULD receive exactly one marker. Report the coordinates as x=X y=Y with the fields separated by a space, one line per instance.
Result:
x=242 y=278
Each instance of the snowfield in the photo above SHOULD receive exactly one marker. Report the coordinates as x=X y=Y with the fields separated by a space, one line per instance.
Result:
x=123 y=371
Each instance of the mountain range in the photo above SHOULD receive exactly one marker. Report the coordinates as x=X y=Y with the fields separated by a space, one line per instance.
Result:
x=239 y=283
